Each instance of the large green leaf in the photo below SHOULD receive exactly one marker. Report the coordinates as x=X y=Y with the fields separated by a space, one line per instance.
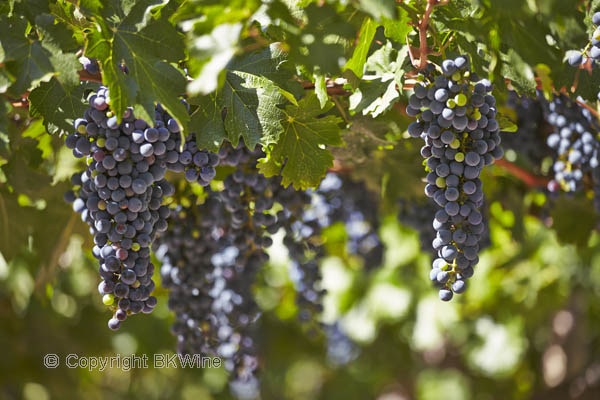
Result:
x=28 y=61
x=58 y=103
x=301 y=148
x=249 y=99
x=213 y=52
x=207 y=123
x=146 y=45
x=55 y=36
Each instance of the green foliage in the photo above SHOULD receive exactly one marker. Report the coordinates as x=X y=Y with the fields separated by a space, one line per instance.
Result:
x=378 y=94
x=249 y=98
x=300 y=155
x=359 y=57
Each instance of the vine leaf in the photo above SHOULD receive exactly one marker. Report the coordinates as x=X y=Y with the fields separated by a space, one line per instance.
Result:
x=207 y=123
x=520 y=74
x=28 y=61
x=359 y=57
x=147 y=46
x=58 y=103
x=301 y=148
x=213 y=52
x=378 y=92
x=249 y=99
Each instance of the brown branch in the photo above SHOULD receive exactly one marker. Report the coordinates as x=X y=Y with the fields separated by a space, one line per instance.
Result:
x=333 y=88
x=423 y=27
x=528 y=178
x=86 y=76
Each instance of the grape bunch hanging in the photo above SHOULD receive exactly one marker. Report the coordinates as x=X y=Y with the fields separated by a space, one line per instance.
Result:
x=456 y=118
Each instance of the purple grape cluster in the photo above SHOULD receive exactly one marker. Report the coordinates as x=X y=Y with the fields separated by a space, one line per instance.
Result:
x=212 y=251
x=340 y=199
x=209 y=267
x=574 y=141
x=456 y=118
x=531 y=129
x=120 y=195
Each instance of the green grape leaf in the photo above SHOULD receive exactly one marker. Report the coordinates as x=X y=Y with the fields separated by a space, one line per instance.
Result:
x=377 y=93
x=374 y=97
x=301 y=148
x=397 y=29
x=28 y=61
x=55 y=36
x=520 y=74
x=147 y=46
x=207 y=123
x=59 y=104
x=249 y=100
x=359 y=57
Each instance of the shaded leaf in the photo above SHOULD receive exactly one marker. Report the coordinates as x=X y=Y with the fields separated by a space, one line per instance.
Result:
x=301 y=150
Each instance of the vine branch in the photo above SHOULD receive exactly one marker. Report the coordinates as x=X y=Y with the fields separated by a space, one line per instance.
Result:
x=528 y=178
x=423 y=27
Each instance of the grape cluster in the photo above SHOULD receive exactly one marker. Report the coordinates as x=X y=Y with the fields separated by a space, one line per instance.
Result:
x=592 y=51
x=532 y=128
x=210 y=255
x=212 y=251
x=305 y=251
x=456 y=117
x=574 y=141
x=341 y=200
x=120 y=196
x=209 y=267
